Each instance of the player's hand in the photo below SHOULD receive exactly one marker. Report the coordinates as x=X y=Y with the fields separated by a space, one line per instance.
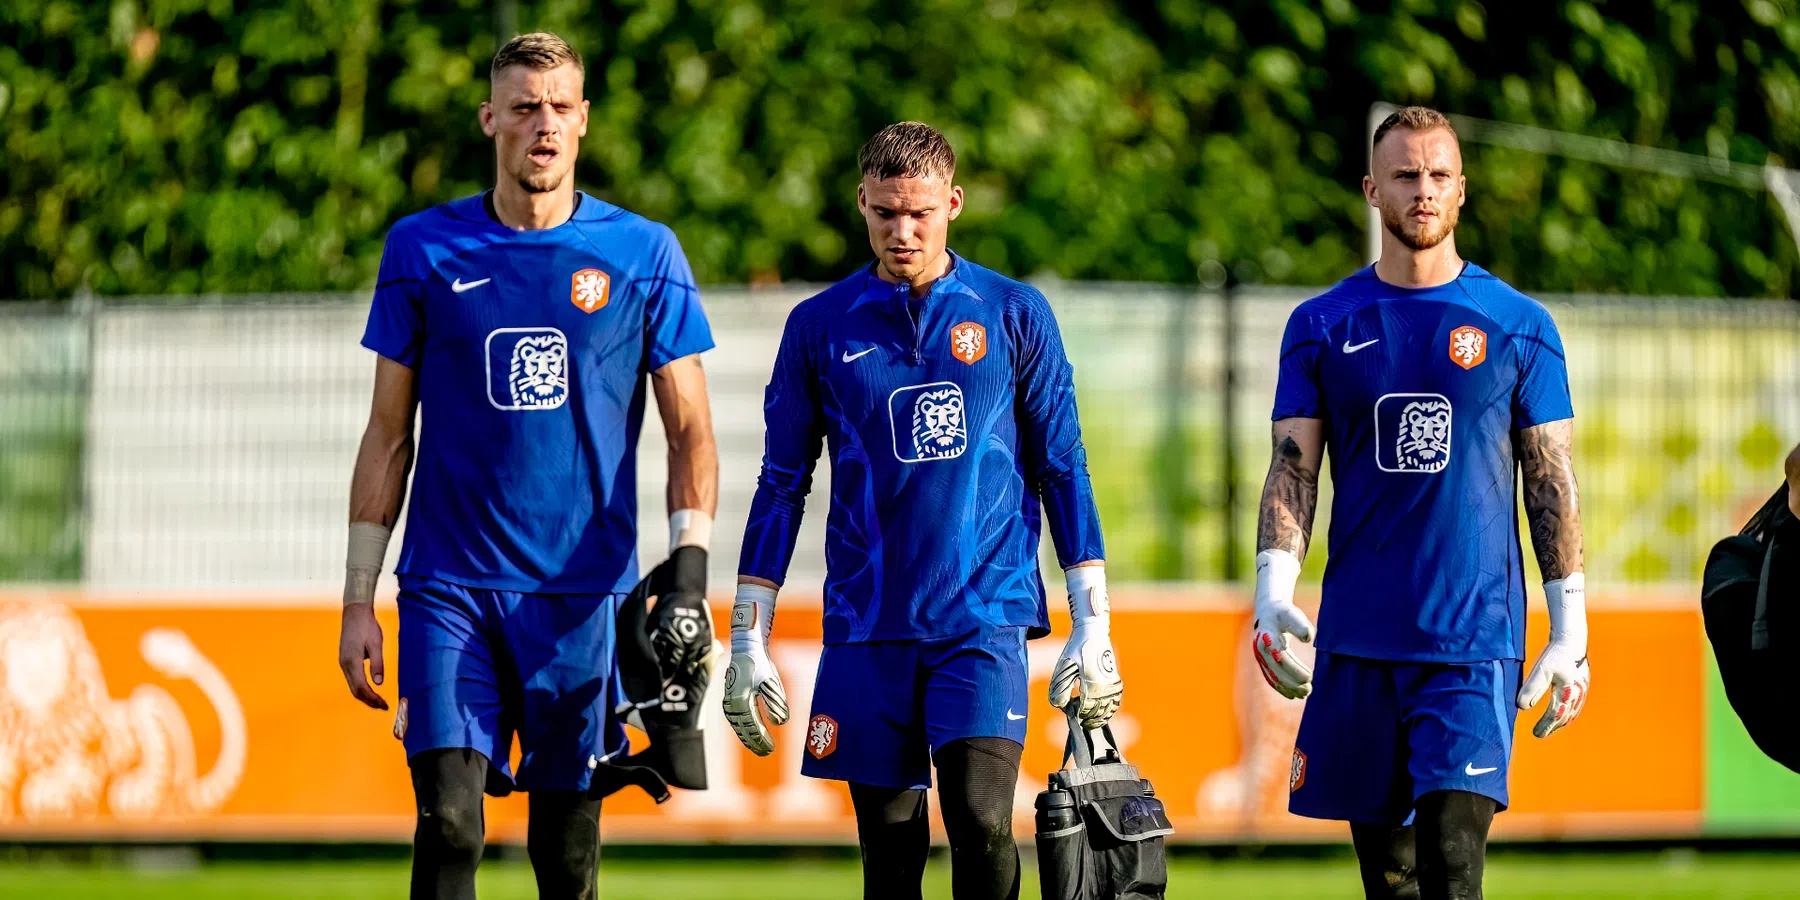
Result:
x=359 y=638
x=751 y=676
x=681 y=625
x=1275 y=618
x=1566 y=676
x=1562 y=669
x=1088 y=659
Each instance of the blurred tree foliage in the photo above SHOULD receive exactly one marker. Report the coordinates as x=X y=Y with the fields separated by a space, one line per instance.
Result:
x=180 y=146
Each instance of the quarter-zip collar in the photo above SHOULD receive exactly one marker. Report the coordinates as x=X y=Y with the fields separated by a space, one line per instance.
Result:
x=896 y=298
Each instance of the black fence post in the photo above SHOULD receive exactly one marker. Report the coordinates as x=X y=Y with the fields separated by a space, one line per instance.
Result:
x=1228 y=424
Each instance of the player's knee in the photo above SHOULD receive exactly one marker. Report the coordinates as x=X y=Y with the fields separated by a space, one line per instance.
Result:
x=452 y=831
x=1385 y=857
x=1453 y=851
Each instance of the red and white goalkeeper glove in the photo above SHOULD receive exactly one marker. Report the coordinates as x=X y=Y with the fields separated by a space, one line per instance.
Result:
x=1562 y=668
x=1276 y=617
x=1088 y=658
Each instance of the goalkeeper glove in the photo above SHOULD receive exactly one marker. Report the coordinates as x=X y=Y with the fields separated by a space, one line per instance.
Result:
x=1088 y=656
x=1277 y=617
x=751 y=674
x=1563 y=666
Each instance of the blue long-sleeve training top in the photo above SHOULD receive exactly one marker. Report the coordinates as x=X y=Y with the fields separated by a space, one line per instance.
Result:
x=950 y=418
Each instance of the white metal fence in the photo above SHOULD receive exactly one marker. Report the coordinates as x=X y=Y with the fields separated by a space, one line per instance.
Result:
x=168 y=445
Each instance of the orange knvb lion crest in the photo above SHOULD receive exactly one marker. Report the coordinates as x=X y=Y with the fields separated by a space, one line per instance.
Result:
x=589 y=289
x=821 y=736
x=1297 y=771
x=1468 y=346
x=968 y=342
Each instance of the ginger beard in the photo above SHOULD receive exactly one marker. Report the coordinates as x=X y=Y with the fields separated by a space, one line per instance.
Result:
x=1397 y=218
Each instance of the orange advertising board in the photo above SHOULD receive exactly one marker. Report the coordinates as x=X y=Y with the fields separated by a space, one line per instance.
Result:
x=136 y=718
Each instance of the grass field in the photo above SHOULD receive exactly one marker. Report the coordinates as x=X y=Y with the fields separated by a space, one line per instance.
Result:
x=1680 y=874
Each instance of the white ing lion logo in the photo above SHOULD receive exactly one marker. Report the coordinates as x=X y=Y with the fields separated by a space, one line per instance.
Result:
x=967 y=341
x=821 y=735
x=1423 y=444
x=539 y=376
x=1466 y=345
x=66 y=745
x=937 y=424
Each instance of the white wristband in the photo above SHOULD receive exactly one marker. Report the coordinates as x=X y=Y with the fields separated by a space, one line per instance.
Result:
x=690 y=528
x=752 y=615
x=363 y=559
x=1087 y=592
x=1566 y=600
x=1277 y=571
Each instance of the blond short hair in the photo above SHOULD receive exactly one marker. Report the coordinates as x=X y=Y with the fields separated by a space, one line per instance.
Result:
x=907 y=150
x=1412 y=118
x=538 y=50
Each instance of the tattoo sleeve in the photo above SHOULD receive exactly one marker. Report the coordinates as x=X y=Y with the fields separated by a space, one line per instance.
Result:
x=1291 y=492
x=1551 y=506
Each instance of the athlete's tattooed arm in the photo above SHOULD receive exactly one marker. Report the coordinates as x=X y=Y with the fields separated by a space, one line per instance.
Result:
x=1291 y=492
x=1545 y=459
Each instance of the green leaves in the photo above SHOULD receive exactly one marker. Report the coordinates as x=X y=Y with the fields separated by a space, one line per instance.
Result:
x=173 y=146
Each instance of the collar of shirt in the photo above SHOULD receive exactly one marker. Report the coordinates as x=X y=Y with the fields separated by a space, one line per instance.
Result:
x=894 y=295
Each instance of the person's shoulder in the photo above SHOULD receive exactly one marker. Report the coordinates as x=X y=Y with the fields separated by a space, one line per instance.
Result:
x=1505 y=304
x=440 y=223
x=990 y=286
x=1340 y=299
x=623 y=227
x=830 y=302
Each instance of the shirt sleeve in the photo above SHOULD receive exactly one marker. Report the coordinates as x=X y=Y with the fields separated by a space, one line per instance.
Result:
x=1050 y=436
x=792 y=434
x=396 y=326
x=1297 y=374
x=1543 y=392
x=676 y=323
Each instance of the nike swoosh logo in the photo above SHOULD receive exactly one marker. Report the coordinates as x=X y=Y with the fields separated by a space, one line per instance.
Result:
x=1013 y=716
x=852 y=357
x=1349 y=348
x=459 y=287
x=1471 y=770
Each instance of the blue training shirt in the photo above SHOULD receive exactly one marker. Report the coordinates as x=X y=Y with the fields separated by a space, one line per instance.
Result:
x=531 y=349
x=1421 y=391
x=949 y=418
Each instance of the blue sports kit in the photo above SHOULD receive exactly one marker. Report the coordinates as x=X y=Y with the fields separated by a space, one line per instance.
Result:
x=949 y=418
x=532 y=350
x=1421 y=628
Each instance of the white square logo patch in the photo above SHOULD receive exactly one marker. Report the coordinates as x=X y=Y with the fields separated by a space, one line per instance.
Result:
x=929 y=422
x=1412 y=433
x=527 y=368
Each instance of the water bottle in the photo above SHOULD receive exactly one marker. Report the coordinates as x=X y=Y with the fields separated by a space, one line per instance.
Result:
x=1056 y=811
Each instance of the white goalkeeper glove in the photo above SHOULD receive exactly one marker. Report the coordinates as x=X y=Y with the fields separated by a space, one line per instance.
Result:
x=1088 y=656
x=751 y=674
x=1563 y=666
x=1276 y=617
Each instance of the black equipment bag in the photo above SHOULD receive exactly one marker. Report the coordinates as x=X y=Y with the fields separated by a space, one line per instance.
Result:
x=1753 y=619
x=1100 y=827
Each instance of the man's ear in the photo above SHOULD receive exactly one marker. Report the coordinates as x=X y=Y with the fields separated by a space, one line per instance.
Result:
x=486 y=117
x=582 y=132
x=862 y=199
x=956 y=201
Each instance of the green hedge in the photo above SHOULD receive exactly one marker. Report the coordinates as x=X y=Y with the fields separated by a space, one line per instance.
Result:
x=185 y=146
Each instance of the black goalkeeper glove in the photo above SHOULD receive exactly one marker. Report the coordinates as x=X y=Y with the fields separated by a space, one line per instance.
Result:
x=666 y=658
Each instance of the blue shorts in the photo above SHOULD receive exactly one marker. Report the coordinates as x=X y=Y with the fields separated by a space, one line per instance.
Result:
x=478 y=665
x=1377 y=735
x=880 y=709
